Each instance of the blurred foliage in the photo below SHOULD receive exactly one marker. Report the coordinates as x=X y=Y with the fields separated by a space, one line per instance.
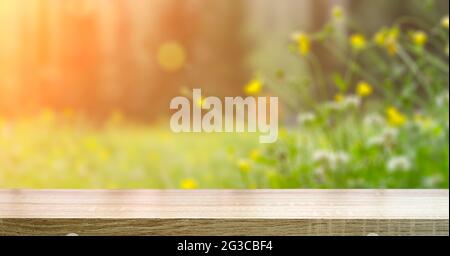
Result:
x=377 y=118
x=381 y=119
x=62 y=151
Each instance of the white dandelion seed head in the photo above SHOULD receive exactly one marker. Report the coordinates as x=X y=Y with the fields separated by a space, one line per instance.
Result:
x=387 y=138
x=320 y=175
x=351 y=102
x=322 y=156
x=432 y=182
x=375 y=142
x=330 y=160
x=320 y=171
x=374 y=120
x=341 y=158
x=442 y=100
x=306 y=118
x=390 y=135
x=334 y=106
x=399 y=163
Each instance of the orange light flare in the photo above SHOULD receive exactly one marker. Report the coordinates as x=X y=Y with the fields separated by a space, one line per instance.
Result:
x=80 y=54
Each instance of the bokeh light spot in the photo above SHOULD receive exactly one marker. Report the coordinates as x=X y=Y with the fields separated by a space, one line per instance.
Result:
x=171 y=56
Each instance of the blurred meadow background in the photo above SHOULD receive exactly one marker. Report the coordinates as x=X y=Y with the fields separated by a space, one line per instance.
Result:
x=85 y=87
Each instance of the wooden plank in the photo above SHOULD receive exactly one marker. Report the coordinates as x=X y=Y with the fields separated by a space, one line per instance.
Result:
x=224 y=212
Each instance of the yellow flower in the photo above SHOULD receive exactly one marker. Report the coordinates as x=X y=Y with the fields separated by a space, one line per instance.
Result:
x=380 y=37
x=444 y=22
x=388 y=39
x=395 y=117
x=189 y=184
x=339 y=97
x=103 y=154
x=303 y=42
x=419 y=38
x=364 y=89
x=91 y=143
x=254 y=87
x=244 y=166
x=358 y=42
x=391 y=47
x=337 y=12
x=255 y=154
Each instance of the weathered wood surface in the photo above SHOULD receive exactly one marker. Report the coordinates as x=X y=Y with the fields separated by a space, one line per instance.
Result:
x=224 y=212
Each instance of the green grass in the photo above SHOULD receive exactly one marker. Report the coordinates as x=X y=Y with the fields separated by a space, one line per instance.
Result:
x=40 y=154
x=47 y=152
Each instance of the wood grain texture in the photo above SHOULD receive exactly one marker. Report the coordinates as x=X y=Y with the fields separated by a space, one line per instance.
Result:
x=224 y=212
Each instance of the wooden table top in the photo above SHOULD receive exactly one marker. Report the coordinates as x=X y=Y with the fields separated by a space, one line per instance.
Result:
x=225 y=204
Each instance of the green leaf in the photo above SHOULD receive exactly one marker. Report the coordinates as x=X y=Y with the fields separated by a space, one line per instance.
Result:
x=340 y=82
